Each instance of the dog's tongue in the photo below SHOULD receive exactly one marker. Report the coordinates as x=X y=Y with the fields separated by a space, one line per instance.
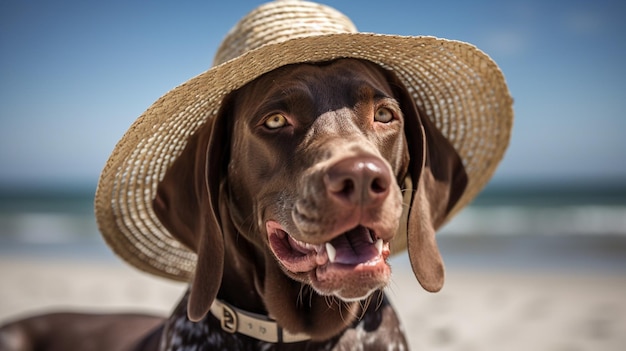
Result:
x=354 y=247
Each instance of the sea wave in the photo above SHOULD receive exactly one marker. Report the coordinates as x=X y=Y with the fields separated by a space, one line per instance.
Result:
x=537 y=220
x=47 y=228
x=596 y=220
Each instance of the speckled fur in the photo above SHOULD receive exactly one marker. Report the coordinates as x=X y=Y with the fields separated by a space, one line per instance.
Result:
x=378 y=329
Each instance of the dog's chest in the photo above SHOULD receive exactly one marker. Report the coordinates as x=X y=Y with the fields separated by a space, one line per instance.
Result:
x=378 y=329
x=183 y=335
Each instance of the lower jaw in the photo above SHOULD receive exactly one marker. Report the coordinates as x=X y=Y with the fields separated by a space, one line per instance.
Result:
x=347 y=294
x=350 y=286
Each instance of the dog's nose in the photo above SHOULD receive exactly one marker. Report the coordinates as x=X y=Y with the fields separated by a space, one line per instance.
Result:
x=358 y=181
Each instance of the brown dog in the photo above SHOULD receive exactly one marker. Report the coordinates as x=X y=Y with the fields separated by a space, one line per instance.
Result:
x=305 y=195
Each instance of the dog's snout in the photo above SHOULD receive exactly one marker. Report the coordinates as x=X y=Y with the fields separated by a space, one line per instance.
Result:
x=355 y=181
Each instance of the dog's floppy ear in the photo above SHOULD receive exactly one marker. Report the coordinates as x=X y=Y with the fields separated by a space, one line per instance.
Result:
x=438 y=179
x=187 y=205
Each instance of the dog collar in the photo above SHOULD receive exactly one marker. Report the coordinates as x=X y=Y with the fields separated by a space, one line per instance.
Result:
x=261 y=327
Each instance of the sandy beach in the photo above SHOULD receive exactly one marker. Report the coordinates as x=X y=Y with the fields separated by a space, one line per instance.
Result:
x=543 y=305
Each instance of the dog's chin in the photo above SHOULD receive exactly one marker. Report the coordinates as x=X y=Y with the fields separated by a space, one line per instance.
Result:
x=350 y=266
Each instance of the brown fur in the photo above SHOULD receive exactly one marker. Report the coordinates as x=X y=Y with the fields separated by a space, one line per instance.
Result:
x=234 y=175
x=264 y=171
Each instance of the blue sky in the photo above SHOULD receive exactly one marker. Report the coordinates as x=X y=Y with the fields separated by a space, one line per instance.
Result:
x=75 y=74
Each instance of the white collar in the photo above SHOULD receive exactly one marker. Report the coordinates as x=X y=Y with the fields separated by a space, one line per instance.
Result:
x=235 y=320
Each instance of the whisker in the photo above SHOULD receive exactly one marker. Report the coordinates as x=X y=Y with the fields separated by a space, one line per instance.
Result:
x=300 y=298
x=310 y=298
x=341 y=311
x=381 y=299
x=365 y=304
x=331 y=301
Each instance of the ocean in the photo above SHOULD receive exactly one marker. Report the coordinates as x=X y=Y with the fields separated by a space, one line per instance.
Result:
x=544 y=210
x=574 y=227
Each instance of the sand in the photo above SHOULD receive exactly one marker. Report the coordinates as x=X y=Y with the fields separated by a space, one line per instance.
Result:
x=480 y=308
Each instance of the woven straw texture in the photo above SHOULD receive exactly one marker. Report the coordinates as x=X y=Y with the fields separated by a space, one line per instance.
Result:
x=457 y=86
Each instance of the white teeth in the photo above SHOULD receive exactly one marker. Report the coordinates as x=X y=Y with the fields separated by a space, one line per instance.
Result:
x=379 y=246
x=312 y=247
x=330 y=250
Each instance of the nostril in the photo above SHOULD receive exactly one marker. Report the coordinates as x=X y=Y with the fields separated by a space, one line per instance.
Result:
x=339 y=183
x=341 y=188
x=377 y=177
x=379 y=186
x=348 y=188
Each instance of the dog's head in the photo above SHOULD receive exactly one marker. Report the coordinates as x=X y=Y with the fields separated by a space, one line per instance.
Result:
x=304 y=169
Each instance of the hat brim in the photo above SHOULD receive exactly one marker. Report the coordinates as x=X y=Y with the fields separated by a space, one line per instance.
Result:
x=455 y=84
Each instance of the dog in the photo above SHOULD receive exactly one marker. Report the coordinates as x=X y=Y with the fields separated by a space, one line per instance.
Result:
x=293 y=226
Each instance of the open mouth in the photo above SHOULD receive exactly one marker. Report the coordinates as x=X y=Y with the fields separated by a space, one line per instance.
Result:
x=354 y=249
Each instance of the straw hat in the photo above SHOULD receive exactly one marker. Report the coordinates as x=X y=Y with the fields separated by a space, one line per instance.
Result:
x=457 y=86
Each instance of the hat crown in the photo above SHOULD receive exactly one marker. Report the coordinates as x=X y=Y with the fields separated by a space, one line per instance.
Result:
x=279 y=21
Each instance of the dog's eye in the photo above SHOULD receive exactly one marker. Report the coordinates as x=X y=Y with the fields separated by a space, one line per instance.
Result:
x=383 y=115
x=276 y=121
